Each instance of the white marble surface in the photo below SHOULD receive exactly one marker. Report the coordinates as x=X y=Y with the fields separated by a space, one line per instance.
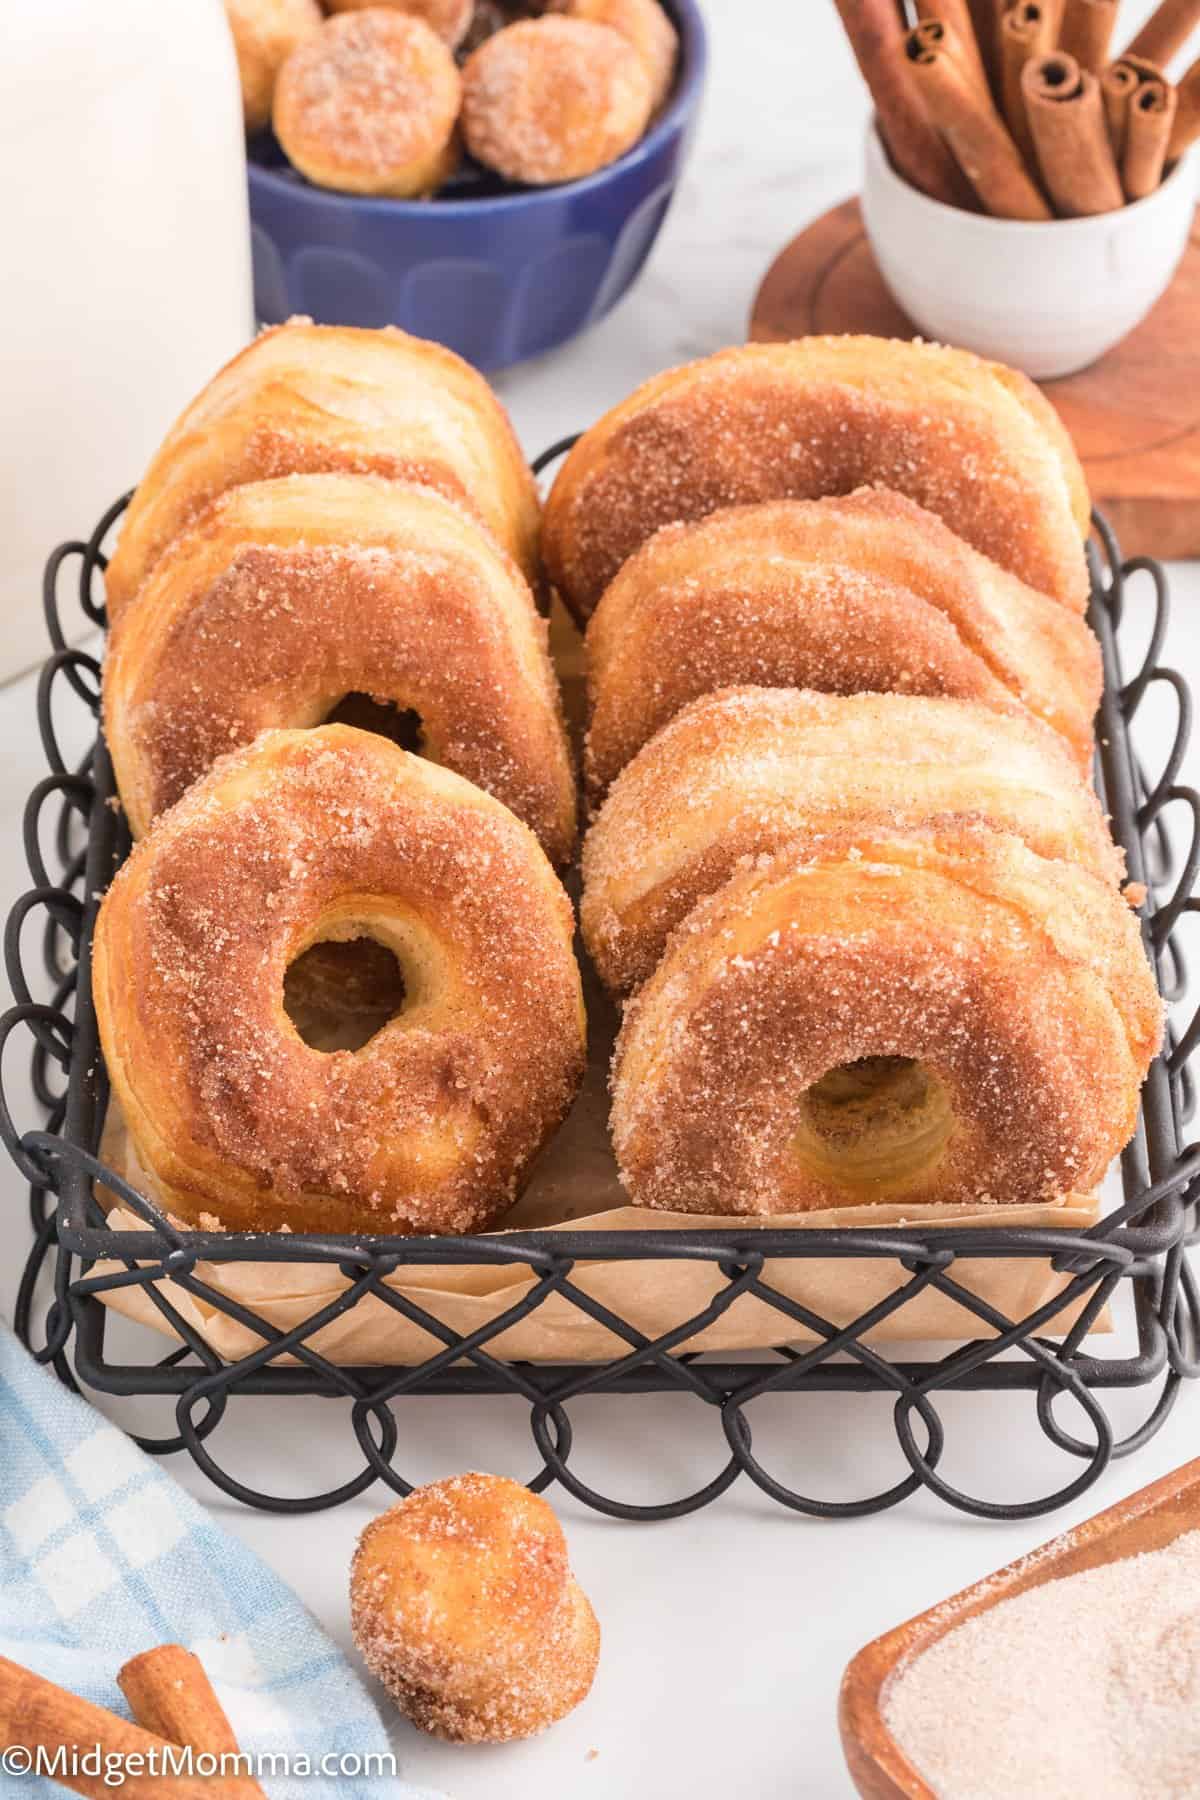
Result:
x=725 y=1634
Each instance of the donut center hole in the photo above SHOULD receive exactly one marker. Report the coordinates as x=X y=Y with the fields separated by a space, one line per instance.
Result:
x=402 y=724
x=341 y=991
x=880 y=1122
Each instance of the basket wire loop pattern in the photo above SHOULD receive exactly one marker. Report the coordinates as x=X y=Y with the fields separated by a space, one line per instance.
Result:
x=1137 y=1248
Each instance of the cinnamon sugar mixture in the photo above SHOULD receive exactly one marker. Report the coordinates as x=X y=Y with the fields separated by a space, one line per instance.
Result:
x=1085 y=1685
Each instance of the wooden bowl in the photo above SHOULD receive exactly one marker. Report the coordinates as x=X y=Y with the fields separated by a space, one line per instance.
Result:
x=1149 y=1520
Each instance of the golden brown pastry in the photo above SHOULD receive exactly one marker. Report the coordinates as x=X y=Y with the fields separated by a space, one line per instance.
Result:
x=866 y=592
x=286 y=596
x=972 y=441
x=307 y=836
x=369 y=105
x=463 y=1604
x=449 y=18
x=553 y=99
x=941 y=1016
x=305 y=398
x=646 y=26
x=265 y=32
x=746 y=771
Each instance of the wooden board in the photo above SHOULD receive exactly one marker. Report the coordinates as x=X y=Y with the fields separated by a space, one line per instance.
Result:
x=1134 y=415
x=1149 y=1520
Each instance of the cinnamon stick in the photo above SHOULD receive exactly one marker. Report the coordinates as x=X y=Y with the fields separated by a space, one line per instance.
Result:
x=956 y=16
x=876 y=33
x=1186 y=128
x=1025 y=30
x=1118 y=84
x=1148 y=132
x=1166 y=31
x=974 y=130
x=1066 y=117
x=170 y=1694
x=985 y=18
x=1086 y=31
x=36 y=1714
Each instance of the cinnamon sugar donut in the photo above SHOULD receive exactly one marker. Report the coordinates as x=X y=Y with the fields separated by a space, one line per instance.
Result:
x=866 y=592
x=645 y=25
x=938 y=1015
x=285 y=596
x=369 y=105
x=463 y=1604
x=553 y=99
x=972 y=441
x=745 y=771
x=265 y=32
x=303 y=398
x=303 y=837
x=450 y=19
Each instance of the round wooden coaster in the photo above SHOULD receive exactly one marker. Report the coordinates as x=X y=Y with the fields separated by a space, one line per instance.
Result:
x=1134 y=415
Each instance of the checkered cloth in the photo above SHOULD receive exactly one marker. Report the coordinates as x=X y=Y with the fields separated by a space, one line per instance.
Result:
x=103 y=1555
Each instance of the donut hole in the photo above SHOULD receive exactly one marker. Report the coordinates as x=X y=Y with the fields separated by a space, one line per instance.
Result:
x=401 y=724
x=341 y=991
x=877 y=1123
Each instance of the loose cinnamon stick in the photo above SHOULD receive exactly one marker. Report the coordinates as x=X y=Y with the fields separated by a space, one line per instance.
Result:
x=1148 y=132
x=876 y=33
x=956 y=16
x=972 y=127
x=35 y=1714
x=1025 y=30
x=1086 y=31
x=170 y=1694
x=1166 y=31
x=1186 y=128
x=1118 y=85
x=1066 y=117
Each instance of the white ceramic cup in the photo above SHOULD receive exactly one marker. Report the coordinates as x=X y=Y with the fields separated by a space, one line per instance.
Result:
x=1049 y=297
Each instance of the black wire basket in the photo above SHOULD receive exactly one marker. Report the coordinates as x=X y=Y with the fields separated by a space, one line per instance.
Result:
x=1136 y=1251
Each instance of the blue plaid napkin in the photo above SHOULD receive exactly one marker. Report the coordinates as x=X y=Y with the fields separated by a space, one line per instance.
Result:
x=103 y=1555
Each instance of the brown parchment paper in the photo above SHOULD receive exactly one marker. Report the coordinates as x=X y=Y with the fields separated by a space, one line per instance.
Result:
x=574 y=1186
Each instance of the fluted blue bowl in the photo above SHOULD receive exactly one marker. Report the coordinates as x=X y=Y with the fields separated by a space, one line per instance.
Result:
x=498 y=273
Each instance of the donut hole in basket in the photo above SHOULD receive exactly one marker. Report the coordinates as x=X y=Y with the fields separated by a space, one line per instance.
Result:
x=878 y=1123
x=401 y=724
x=340 y=992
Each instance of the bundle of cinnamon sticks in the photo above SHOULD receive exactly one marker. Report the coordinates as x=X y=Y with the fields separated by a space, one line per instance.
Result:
x=1019 y=108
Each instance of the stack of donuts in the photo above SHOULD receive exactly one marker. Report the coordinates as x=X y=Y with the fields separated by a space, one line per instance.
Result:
x=845 y=869
x=326 y=569
x=846 y=857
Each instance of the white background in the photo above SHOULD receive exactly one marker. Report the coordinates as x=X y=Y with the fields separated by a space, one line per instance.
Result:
x=725 y=1634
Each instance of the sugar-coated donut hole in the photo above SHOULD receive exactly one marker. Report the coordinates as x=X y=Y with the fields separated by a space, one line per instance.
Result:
x=339 y=992
x=878 y=1123
x=400 y=724
x=463 y=1604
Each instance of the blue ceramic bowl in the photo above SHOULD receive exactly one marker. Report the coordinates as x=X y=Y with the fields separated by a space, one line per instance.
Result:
x=497 y=273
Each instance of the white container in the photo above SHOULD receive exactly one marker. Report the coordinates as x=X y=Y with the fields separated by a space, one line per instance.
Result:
x=124 y=241
x=1048 y=297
